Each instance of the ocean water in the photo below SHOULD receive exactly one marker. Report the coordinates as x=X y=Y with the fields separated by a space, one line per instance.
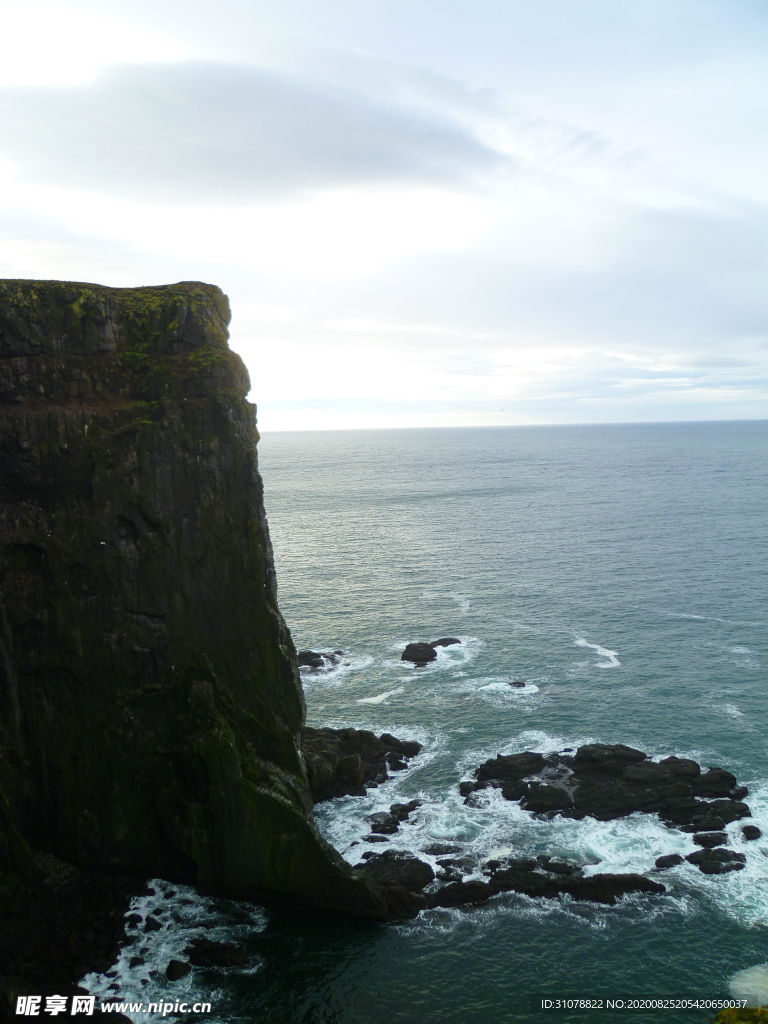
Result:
x=620 y=572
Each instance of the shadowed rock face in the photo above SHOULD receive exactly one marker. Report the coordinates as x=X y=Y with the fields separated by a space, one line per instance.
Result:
x=149 y=696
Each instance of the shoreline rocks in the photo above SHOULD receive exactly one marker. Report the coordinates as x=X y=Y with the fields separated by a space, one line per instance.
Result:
x=346 y=762
x=59 y=927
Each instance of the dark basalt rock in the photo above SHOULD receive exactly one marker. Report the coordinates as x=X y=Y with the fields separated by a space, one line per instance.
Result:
x=670 y=860
x=177 y=969
x=521 y=876
x=344 y=762
x=419 y=653
x=394 y=867
x=751 y=832
x=710 y=839
x=151 y=700
x=442 y=849
x=558 y=867
x=59 y=927
x=383 y=823
x=459 y=894
x=445 y=641
x=206 y=953
x=453 y=869
x=315 y=660
x=610 y=781
x=718 y=861
x=388 y=823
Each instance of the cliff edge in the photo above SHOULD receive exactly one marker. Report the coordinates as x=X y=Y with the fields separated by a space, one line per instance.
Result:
x=149 y=697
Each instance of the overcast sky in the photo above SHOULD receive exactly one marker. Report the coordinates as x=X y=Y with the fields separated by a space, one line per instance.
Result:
x=425 y=212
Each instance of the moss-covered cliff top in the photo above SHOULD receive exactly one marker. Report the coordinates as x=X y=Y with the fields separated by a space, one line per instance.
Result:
x=66 y=318
x=65 y=344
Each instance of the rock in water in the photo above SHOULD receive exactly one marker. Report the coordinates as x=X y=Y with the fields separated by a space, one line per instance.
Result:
x=607 y=781
x=318 y=660
x=150 y=701
x=343 y=762
x=419 y=653
x=394 y=867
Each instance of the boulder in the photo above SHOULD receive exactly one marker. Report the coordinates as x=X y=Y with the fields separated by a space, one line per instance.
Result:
x=682 y=766
x=717 y=862
x=709 y=840
x=419 y=653
x=442 y=849
x=751 y=832
x=318 y=660
x=445 y=641
x=394 y=867
x=669 y=860
x=177 y=969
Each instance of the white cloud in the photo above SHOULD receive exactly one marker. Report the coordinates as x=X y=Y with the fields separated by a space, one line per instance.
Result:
x=213 y=133
x=546 y=213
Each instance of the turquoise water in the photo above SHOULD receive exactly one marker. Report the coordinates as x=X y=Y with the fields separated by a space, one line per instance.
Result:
x=620 y=571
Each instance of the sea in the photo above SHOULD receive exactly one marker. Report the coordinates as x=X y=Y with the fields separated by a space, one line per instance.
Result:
x=619 y=572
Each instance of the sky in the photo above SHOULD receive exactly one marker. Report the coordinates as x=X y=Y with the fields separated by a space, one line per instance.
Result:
x=453 y=213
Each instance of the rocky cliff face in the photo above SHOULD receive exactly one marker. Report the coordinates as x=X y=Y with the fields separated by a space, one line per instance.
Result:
x=149 y=697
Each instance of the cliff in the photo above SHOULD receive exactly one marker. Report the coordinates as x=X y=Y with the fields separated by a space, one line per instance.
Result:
x=149 y=697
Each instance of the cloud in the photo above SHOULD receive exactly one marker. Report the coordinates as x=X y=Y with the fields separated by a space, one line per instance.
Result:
x=222 y=134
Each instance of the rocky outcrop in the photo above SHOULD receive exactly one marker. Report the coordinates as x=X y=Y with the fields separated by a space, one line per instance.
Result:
x=420 y=653
x=318 y=659
x=530 y=879
x=344 y=762
x=543 y=878
x=606 y=781
x=149 y=697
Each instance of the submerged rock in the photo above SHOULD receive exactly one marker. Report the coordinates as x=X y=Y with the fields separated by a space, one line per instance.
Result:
x=345 y=762
x=151 y=699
